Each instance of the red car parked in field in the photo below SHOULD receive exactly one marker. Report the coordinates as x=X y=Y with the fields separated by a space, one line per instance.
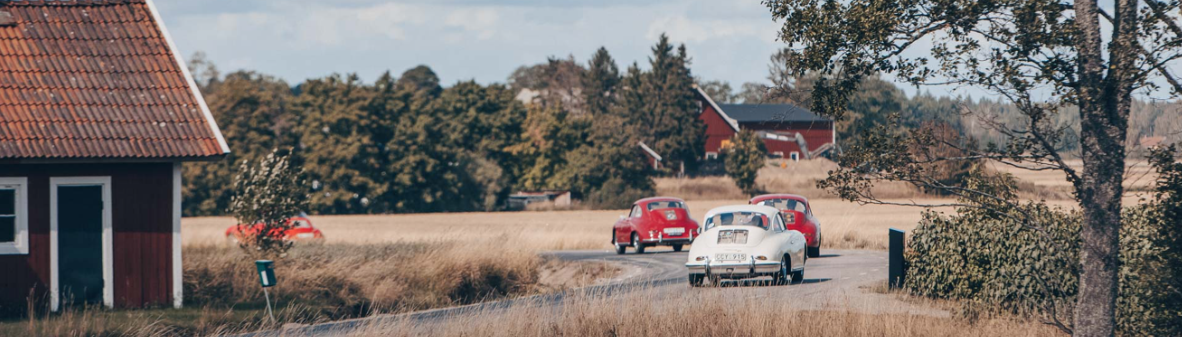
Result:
x=301 y=229
x=798 y=215
x=659 y=221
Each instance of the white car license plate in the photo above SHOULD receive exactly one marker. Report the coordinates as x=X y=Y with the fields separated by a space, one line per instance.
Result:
x=730 y=257
x=674 y=231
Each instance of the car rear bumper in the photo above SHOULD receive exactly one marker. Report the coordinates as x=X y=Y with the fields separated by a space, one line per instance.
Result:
x=734 y=269
x=668 y=242
x=658 y=238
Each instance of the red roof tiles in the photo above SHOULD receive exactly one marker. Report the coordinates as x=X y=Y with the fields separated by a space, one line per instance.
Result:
x=96 y=79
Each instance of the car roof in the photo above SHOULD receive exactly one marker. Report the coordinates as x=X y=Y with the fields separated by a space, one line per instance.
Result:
x=765 y=210
x=780 y=196
x=652 y=199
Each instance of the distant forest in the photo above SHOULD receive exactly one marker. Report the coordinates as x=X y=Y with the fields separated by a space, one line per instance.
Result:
x=405 y=143
x=877 y=99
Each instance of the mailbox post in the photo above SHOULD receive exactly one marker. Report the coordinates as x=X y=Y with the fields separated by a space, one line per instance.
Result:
x=895 y=275
x=267 y=279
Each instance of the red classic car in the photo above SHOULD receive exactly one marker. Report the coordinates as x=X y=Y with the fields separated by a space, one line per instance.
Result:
x=798 y=215
x=301 y=229
x=659 y=221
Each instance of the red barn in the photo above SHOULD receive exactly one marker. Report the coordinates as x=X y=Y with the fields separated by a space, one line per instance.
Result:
x=787 y=130
x=97 y=112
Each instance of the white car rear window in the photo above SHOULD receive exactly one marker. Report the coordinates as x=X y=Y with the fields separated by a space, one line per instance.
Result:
x=738 y=219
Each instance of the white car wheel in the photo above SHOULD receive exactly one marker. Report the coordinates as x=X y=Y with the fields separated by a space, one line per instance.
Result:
x=798 y=277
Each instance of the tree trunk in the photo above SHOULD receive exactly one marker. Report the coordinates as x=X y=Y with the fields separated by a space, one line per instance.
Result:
x=1104 y=103
x=1099 y=198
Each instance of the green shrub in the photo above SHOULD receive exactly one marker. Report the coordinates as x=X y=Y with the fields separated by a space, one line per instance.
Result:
x=995 y=260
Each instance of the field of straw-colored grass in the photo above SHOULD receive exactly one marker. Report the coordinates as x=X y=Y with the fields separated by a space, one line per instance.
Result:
x=845 y=225
x=708 y=312
x=784 y=176
x=1139 y=177
x=778 y=176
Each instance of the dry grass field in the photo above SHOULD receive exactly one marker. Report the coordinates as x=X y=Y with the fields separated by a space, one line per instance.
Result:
x=712 y=312
x=801 y=178
x=778 y=176
x=845 y=225
x=1139 y=177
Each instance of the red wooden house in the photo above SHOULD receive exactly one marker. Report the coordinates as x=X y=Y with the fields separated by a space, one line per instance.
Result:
x=97 y=112
x=787 y=130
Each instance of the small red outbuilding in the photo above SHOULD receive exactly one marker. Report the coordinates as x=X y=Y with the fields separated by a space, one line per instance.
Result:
x=97 y=112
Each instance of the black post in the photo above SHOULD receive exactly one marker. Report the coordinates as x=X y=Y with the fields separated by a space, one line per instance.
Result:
x=895 y=270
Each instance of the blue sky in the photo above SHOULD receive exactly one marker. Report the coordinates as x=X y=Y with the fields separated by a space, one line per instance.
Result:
x=728 y=40
x=466 y=39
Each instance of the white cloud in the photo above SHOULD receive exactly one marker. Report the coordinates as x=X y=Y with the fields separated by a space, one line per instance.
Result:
x=480 y=21
x=682 y=28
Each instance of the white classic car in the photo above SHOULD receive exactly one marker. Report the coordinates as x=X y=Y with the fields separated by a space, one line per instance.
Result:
x=747 y=241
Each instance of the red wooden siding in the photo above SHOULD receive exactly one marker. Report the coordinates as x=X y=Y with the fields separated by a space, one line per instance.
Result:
x=717 y=129
x=141 y=220
x=816 y=134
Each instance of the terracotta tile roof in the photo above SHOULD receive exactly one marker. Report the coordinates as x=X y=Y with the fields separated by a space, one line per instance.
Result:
x=96 y=79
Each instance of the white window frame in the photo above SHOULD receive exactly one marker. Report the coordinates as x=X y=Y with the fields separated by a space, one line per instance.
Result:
x=20 y=242
x=711 y=155
x=107 y=238
x=795 y=156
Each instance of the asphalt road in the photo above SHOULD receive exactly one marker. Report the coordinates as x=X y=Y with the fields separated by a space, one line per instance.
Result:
x=836 y=276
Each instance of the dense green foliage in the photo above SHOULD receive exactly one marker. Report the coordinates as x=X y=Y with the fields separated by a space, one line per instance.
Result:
x=407 y=144
x=744 y=158
x=1026 y=259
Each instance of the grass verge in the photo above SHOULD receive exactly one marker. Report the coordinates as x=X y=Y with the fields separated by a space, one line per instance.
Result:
x=708 y=312
x=324 y=282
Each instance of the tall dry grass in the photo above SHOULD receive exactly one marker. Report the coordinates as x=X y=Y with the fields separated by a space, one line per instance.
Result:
x=350 y=280
x=324 y=282
x=704 y=312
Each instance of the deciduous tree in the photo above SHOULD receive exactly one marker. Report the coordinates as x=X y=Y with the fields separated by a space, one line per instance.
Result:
x=744 y=158
x=1041 y=55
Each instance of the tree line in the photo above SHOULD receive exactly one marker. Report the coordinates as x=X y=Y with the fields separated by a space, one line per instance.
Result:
x=876 y=100
x=406 y=143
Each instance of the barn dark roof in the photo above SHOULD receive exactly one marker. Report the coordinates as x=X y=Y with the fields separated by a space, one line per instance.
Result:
x=96 y=79
x=756 y=113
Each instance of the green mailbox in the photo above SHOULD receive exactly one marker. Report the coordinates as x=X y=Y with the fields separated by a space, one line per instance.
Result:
x=266 y=272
